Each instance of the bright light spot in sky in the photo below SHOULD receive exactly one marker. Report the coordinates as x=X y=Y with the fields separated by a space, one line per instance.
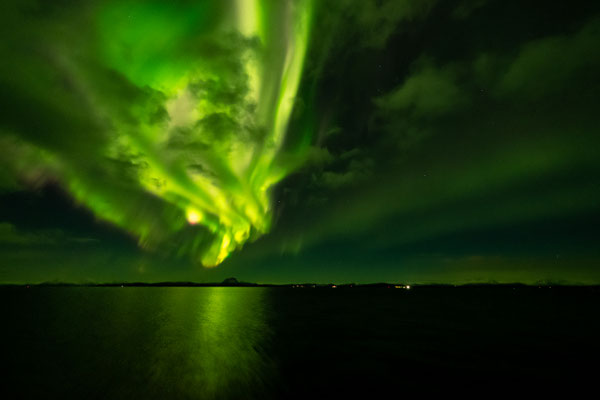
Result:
x=193 y=217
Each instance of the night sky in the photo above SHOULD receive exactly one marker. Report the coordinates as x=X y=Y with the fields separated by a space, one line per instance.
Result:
x=420 y=141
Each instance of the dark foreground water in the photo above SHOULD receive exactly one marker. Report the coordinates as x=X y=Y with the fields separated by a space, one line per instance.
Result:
x=206 y=343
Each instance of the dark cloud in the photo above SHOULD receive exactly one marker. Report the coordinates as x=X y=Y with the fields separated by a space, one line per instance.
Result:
x=465 y=8
x=11 y=236
x=356 y=171
x=549 y=66
x=427 y=93
x=371 y=22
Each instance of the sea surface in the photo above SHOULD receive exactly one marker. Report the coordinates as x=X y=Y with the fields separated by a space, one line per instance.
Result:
x=264 y=343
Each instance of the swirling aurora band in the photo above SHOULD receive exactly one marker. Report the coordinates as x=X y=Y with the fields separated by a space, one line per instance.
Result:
x=227 y=76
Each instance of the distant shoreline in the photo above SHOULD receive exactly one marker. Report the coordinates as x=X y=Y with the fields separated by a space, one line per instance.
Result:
x=309 y=286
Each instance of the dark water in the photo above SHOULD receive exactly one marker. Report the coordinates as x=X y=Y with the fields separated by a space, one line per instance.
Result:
x=212 y=343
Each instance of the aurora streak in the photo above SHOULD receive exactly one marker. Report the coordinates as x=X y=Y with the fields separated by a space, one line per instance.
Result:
x=215 y=87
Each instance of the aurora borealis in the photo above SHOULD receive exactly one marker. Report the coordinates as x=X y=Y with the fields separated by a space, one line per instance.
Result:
x=300 y=140
x=209 y=89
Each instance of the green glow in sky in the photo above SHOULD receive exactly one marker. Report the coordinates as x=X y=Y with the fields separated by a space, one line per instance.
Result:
x=226 y=79
x=360 y=140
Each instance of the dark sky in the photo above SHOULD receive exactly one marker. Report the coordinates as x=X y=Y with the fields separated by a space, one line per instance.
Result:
x=293 y=141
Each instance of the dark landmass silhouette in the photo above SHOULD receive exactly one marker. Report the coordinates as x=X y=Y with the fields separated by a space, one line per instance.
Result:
x=234 y=282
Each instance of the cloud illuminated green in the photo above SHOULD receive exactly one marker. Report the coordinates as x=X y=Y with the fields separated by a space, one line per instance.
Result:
x=166 y=118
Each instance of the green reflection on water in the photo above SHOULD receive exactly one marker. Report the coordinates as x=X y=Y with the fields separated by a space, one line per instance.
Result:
x=210 y=342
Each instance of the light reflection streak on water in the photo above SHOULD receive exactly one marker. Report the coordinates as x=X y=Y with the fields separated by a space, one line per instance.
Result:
x=211 y=342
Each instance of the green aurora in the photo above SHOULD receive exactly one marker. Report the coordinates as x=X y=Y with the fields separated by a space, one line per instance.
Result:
x=196 y=116
x=300 y=140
